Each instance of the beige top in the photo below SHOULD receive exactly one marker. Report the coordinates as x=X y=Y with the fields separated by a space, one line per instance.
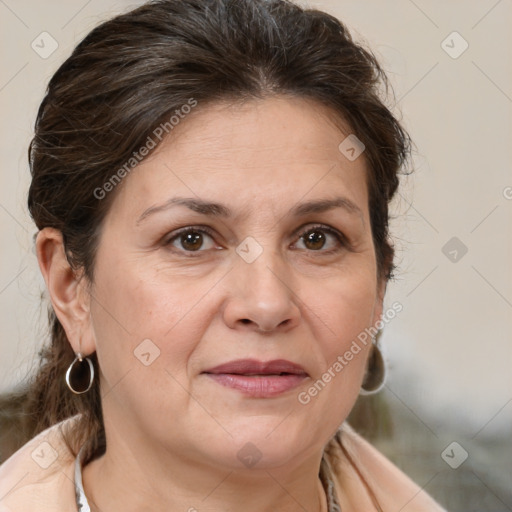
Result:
x=41 y=476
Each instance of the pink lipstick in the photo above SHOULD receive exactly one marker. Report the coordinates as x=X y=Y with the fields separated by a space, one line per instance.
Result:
x=257 y=378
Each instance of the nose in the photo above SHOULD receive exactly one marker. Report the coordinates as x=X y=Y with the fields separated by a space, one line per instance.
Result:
x=261 y=297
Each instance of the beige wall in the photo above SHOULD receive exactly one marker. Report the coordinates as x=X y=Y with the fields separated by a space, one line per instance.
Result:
x=450 y=349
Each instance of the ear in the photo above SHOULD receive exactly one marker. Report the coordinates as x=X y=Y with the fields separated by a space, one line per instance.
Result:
x=68 y=291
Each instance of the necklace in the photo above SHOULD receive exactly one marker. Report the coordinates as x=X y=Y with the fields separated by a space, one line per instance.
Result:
x=324 y=474
x=81 y=501
x=333 y=504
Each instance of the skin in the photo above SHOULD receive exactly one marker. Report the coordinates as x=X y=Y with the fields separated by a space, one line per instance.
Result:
x=173 y=434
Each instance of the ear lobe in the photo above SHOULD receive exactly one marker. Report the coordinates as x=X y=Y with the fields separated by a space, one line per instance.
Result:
x=67 y=290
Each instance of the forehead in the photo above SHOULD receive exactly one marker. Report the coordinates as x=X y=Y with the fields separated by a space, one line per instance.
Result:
x=264 y=153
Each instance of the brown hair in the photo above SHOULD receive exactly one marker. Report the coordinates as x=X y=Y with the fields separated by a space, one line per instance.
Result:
x=132 y=73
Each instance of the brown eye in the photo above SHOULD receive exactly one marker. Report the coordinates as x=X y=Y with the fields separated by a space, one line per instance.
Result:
x=191 y=240
x=321 y=239
x=314 y=240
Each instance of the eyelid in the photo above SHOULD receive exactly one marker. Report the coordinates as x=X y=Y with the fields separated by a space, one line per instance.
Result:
x=185 y=229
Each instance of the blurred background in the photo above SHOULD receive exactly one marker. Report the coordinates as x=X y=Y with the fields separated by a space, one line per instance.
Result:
x=445 y=414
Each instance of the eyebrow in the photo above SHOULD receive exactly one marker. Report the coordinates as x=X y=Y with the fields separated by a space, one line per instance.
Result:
x=219 y=210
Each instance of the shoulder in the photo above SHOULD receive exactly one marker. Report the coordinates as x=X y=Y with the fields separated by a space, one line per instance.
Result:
x=392 y=488
x=40 y=475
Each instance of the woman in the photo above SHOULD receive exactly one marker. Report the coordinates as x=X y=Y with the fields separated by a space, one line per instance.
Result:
x=210 y=181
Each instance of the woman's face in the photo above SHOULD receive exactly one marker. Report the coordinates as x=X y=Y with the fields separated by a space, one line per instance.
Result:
x=278 y=264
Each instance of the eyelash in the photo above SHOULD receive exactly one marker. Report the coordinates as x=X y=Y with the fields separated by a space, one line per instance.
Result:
x=340 y=238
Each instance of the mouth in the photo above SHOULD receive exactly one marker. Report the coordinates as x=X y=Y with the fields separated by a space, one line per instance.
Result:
x=257 y=378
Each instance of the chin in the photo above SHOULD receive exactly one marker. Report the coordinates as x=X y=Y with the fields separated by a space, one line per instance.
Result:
x=263 y=443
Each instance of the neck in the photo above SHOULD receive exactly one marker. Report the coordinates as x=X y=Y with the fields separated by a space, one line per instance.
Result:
x=157 y=480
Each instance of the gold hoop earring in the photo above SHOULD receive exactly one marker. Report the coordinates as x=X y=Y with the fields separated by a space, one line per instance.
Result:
x=375 y=376
x=77 y=374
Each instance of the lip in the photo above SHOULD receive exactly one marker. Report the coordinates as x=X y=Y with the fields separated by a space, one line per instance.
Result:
x=260 y=379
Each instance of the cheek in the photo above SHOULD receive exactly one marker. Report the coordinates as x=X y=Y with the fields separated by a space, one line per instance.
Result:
x=343 y=307
x=136 y=313
x=341 y=310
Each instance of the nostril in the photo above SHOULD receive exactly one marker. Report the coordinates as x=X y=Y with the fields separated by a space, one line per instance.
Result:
x=245 y=321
